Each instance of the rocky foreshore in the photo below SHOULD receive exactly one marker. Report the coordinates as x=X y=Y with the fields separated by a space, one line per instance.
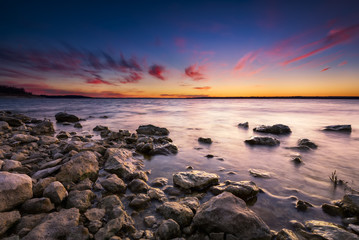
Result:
x=62 y=185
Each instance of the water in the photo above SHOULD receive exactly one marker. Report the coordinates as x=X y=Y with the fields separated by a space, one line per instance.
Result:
x=188 y=119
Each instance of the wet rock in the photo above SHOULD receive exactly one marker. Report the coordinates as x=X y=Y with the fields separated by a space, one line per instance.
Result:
x=77 y=125
x=229 y=214
x=56 y=192
x=13 y=122
x=140 y=201
x=158 y=194
x=152 y=130
x=150 y=221
x=80 y=199
x=138 y=186
x=350 y=204
x=260 y=173
x=286 y=234
x=307 y=143
x=205 y=140
x=195 y=179
x=56 y=225
x=329 y=231
x=191 y=202
x=63 y=135
x=165 y=149
x=209 y=156
x=82 y=165
x=120 y=162
x=110 y=202
x=14 y=190
x=296 y=224
x=48 y=140
x=94 y=214
x=65 y=117
x=39 y=187
x=10 y=165
x=24 y=138
x=302 y=205
x=245 y=190
x=243 y=125
x=37 y=205
x=265 y=141
x=297 y=160
x=169 y=229
x=100 y=128
x=46 y=172
x=159 y=182
x=331 y=209
x=338 y=128
x=7 y=220
x=180 y=213
x=172 y=191
x=144 y=148
x=275 y=129
x=113 y=184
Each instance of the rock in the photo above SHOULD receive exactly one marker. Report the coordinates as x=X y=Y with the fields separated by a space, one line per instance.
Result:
x=140 y=201
x=120 y=162
x=329 y=231
x=191 y=202
x=44 y=127
x=266 y=141
x=82 y=165
x=63 y=135
x=338 y=128
x=243 y=125
x=56 y=225
x=260 y=173
x=110 y=202
x=94 y=214
x=138 y=186
x=77 y=125
x=354 y=228
x=37 y=205
x=180 y=213
x=150 y=221
x=28 y=222
x=100 y=128
x=14 y=190
x=13 y=122
x=46 y=172
x=94 y=226
x=172 y=191
x=158 y=194
x=39 y=187
x=229 y=214
x=164 y=149
x=79 y=232
x=113 y=184
x=65 y=117
x=275 y=129
x=195 y=179
x=307 y=143
x=302 y=205
x=56 y=192
x=51 y=164
x=245 y=190
x=331 y=209
x=216 y=236
x=10 y=165
x=4 y=126
x=350 y=204
x=286 y=234
x=80 y=199
x=168 y=229
x=110 y=229
x=152 y=130
x=159 y=182
x=296 y=224
x=48 y=140
x=7 y=220
x=297 y=160
x=24 y=138
x=205 y=140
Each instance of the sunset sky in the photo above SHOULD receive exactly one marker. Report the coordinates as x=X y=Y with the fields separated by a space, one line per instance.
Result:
x=181 y=48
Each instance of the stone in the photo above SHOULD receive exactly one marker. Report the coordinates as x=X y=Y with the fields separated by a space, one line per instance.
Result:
x=80 y=199
x=51 y=164
x=243 y=125
x=297 y=160
x=152 y=130
x=216 y=236
x=138 y=186
x=120 y=162
x=172 y=191
x=109 y=202
x=260 y=173
x=114 y=184
x=286 y=234
x=100 y=128
x=85 y=184
x=4 y=126
x=275 y=129
x=150 y=221
x=56 y=225
x=195 y=179
x=168 y=229
x=43 y=127
x=191 y=202
x=63 y=135
x=329 y=231
x=331 y=209
x=180 y=213
x=77 y=125
x=78 y=232
x=65 y=117
x=94 y=214
x=265 y=141
x=354 y=228
x=163 y=149
x=28 y=222
x=110 y=229
x=338 y=128
x=10 y=165
x=94 y=226
x=302 y=205
x=350 y=204
x=24 y=138
x=140 y=201
x=7 y=220
x=82 y=165
x=158 y=194
x=37 y=205
x=205 y=140
x=229 y=214
x=56 y=192
x=14 y=190
x=48 y=140
x=40 y=186
x=307 y=143
x=13 y=122
x=46 y=172
x=159 y=182
x=245 y=190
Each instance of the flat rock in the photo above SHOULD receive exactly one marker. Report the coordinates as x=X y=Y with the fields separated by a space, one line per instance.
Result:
x=14 y=190
x=7 y=220
x=330 y=231
x=152 y=130
x=338 y=128
x=10 y=165
x=265 y=141
x=46 y=172
x=65 y=117
x=229 y=214
x=180 y=213
x=120 y=162
x=275 y=129
x=260 y=173
x=244 y=189
x=195 y=179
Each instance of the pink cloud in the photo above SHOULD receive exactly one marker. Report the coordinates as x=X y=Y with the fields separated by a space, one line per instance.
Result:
x=245 y=60
x=195 y=72
x=98 y=81
x=325 y=69
x=134 y=77
x=203 y=88
x=157 y=71
x=342 y=63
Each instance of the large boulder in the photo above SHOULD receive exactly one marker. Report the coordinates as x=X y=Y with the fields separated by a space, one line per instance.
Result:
x=82 y=165
x=242 y=189
x=120 y=162
x=195 y=179
x=56 y=225
x=275 y=129
x=229 y=214
x=338 y=128
x=265 y=141
x=330 y=231
x=180 y=213
x=152 y=130
x=7 y=220
x=65 y=117
x=14 y=190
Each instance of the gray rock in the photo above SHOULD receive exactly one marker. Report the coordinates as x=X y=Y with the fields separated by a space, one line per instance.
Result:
x=243 y=125
x=7 y=220
x=168 y=229
x=195 y=179
x=205 y=140
x=158 y=194
x=40 y=186
x=14 y=190
x=229 y=214
x=329 y=231
x=307 y=143
x=24 y=138
x=265 y=141
x=120 y=162
x=37 y=205
x=140 y=201
x=338 y=128
x=191 y=202
x=82 y=165
x=113 y=184
x=28 y=222
x=275 y=129
x=44 y=127
x=56 y=192
x=150 y=221
x=152 y=130
x=56 y=225
x=80 y=199
x=159 y=182
x=46 y=172
x=10 y=165
x=138 y=186
x=94 y=214
x=244 y=189
x=65 y=117
x=180 y=213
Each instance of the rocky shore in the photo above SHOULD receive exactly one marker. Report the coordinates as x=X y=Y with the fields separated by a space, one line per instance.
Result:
x=62 y=185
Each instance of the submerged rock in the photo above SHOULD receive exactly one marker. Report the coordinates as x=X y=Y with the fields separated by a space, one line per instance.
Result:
x=195 y=179
x=330 y=231
x=307 y=143
x=266 y=141
x=243 y=125
x=205 y=140
x=152 y=130
x=338 y=128
x=65 y=117
x=260 y=173
x=275 y=129
x=229 y=214
x=350 y=204
x=159 y=182
x=245 y=190
x=302 y=205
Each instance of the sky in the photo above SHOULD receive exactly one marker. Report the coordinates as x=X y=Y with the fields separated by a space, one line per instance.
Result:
x=181 y=48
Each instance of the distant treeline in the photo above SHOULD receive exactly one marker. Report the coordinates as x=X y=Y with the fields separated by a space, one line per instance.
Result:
x=13 y=91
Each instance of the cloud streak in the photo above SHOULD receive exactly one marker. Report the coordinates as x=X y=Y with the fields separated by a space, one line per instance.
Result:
x=203 y=88
x=325 y=69
x=157 y=71
x=195 y=72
